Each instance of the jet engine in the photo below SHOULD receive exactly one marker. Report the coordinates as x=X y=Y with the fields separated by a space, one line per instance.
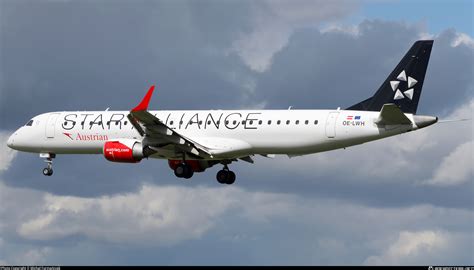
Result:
x=124 y=150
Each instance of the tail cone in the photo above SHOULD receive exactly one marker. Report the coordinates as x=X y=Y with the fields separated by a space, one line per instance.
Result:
x=422 y=121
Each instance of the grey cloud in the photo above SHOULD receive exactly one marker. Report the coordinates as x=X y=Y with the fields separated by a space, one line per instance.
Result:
x=93 y=55
x=333 y=69
x=153 y=216
x=275 y=21
x=250 y=225
x=6 y=154
x=414 y=248
x=455 y=168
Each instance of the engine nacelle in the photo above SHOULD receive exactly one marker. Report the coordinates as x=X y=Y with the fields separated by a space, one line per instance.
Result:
x=123 y=150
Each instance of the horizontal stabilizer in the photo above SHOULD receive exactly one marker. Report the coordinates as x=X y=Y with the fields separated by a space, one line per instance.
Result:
x=392 y=115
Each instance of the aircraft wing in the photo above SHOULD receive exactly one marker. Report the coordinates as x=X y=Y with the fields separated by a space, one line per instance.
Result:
x=154 y=130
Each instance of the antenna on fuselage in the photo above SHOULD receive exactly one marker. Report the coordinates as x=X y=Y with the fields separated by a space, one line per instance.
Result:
x=289 y=108
x=107 y=109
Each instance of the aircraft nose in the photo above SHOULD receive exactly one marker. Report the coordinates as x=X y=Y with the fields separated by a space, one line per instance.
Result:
x=11 y=140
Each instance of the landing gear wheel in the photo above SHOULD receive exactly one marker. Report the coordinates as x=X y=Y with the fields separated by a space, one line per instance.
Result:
x=225 y=177
x=222 y=176
x=179 y=170
x=230 y=178
x=48 y=171
x=188 y=172
x=183 y=170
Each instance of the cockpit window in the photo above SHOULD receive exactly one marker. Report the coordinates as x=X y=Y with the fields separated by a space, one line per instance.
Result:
x=30 y=123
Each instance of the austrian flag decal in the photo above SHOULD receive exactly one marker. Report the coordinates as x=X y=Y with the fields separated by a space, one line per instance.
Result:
x=350 y=117
x=353 y=120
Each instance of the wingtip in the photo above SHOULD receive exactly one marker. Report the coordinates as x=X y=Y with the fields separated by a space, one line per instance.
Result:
x=143 y=106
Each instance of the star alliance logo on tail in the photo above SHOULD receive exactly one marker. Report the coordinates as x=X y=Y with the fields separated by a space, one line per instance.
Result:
x=402 y=77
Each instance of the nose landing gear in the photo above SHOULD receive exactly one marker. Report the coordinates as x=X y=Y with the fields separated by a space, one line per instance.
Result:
x=225 y=176
x=48 y=171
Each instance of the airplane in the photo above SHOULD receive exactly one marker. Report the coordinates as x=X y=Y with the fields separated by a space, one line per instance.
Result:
x=193 y=141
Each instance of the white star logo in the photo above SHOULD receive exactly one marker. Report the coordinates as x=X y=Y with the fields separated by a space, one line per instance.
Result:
x=409 y=92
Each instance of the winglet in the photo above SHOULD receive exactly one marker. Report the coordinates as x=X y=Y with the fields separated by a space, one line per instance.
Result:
x=143 y=106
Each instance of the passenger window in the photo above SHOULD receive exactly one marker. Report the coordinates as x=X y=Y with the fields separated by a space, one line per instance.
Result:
x=278 y=122
x=315 y=122
x=260 y=122
x=251 y=122
x=125 y=123
x=234 y=122
x=200 y=122
x=287 y=122
x=306 y=122
x=243 y=122
x=297 y=122
x=208 y=122
x=171 y=122
x=227 y=122
x=269 y=122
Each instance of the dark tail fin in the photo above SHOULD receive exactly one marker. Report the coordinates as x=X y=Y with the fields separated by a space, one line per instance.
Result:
x=403 y=86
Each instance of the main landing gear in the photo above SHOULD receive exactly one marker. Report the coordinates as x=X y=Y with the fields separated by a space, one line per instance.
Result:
x=48 y=171
x=183 y=170
x=225 y=176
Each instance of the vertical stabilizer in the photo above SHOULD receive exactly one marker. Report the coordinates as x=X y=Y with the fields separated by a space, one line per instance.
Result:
x=403 y=86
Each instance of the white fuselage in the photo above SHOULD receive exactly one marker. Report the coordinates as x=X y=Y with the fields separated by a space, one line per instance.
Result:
x=227 y=133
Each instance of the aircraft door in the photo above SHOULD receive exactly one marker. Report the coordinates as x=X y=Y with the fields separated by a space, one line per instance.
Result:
x=51 y=124
x=331 y=124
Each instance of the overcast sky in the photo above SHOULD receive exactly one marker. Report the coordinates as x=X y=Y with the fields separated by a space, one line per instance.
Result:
x=404 y=200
